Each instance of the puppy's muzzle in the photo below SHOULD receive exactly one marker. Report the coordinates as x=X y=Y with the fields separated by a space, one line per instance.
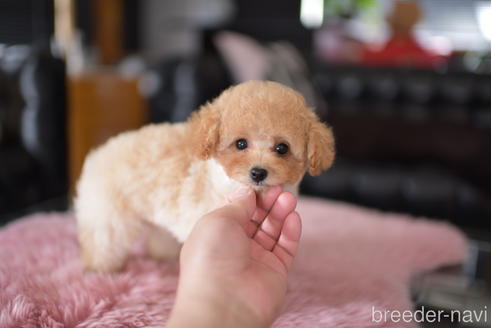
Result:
x=258 y=174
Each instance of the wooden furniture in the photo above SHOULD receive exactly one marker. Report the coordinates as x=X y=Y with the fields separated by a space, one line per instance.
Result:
x=101 y=105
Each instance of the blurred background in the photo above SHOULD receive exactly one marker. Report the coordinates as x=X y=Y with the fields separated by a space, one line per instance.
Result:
x=404 y=84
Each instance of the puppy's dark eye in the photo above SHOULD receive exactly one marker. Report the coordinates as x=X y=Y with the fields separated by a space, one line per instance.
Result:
x=281 y=148
x=241 y=144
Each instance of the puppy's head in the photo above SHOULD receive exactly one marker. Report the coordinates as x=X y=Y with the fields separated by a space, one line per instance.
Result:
x=263 y=134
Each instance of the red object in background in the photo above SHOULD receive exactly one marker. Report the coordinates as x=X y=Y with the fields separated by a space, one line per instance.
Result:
x=402 y=51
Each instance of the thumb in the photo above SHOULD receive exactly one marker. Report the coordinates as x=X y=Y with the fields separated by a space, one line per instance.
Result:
x=240 y=207
x=240 y=195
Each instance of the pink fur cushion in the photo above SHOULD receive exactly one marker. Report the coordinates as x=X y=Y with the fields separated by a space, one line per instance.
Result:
x=351 y=259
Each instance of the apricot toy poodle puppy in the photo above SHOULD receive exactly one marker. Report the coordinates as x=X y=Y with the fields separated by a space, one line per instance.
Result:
x=166 y=176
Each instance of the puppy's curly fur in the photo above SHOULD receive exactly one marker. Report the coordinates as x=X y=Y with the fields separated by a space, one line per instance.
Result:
x=167 y=176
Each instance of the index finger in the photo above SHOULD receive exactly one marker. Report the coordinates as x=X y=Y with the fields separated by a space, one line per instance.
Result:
x=264 y=203
x=240 y=207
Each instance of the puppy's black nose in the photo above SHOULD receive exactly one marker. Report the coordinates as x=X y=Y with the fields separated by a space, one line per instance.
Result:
x=258 y=174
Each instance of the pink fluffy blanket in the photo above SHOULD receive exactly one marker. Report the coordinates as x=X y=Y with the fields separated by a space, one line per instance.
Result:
x=351 y=261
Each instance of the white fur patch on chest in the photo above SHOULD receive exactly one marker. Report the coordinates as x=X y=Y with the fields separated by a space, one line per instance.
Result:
x=204 y=189
x=220 y=179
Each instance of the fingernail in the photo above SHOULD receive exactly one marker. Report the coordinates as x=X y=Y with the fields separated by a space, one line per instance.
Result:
x=239 y=193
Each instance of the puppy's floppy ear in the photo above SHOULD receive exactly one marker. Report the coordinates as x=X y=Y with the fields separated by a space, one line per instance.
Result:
x=320 y=148
x=204 y=125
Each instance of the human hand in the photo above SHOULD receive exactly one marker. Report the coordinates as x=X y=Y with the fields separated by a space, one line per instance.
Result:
x=235 y=262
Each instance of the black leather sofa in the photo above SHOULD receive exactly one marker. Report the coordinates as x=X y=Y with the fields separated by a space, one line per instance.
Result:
x=409 y=140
